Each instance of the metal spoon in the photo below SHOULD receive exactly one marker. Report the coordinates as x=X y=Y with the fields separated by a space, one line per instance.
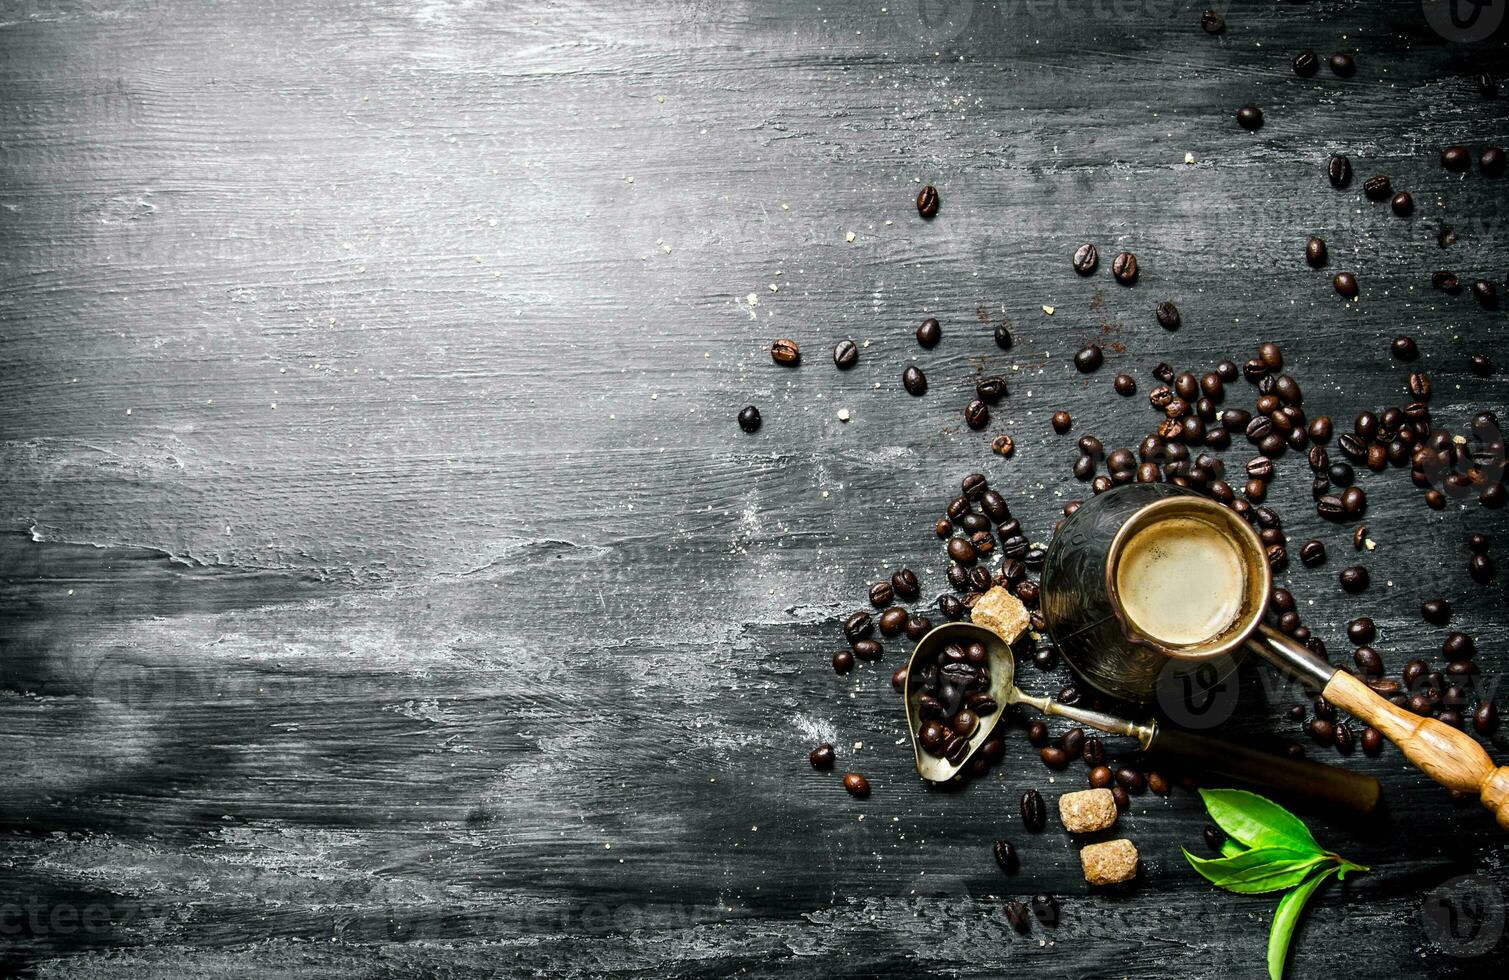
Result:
x=1300 y=779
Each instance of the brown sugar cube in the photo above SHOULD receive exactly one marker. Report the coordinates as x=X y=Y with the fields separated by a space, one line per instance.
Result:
x=1086 y=811
x=1109 y=863
x=1002 y=613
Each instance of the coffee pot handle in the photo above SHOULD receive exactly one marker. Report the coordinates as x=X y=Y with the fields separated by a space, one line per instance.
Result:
x=1449 y=756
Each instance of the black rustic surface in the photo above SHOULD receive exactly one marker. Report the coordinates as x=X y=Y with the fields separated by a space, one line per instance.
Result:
x=389 y=591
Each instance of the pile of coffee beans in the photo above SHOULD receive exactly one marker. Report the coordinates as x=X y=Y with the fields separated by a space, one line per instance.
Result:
x=951 y=695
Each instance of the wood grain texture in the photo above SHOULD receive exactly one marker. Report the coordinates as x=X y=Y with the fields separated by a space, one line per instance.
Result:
x=388 y=590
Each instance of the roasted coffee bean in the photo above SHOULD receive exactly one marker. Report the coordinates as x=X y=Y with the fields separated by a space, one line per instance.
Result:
x=857 y=626
x=821 y=757
x=1378 y=188
x=1485 y=718
x=1418 y=386
x=927 y=201
x=843 y=661
x=917 y=627
x=1361 y=631
x=1477 y=543
x=1436 y=611
x=1086 y=258
x=1353 y=447
x=1305 y=63
x=1404 y=348
x=1073 y=742
x=892 y=621
x=1016 y=914
x=961 y=551
x=1458 y=646
x=1003 y=445
x=1321 y=731
x=1354 y=501
x=1045 y=907
x=1486 y=293
x=1456 y=159
x=868 y=649
x=1186 y=386
x=1124 y=384
x=913 y=380
x=929 y=332
x=991 y=389
x=1157 y=783
x=1344 y=741
x=1403 y=204
x=931 y=736
x=1339 y=170
x=857 y=785
x=950 y=606
x=1250 y=117
x=1372 y=741
x=943 y=528
x=880 y=594
x=1281 y=601
x=1212 y=22
x=958 y=507
x=964 y=723
x=1100 y=777
x=1413 y=672
x=1345 y=284
x=1061 y=422
x=785 y=351
x=1034 y=813
x=1067 y=695
x=1124 y=268
x=1168 y=315
x=749 y=418
x=1342 y=64
x=1037 y=733
x=994 y=506
x=1214 y=839
x=1481 y=568
x=955 y=749
x=1094 y=751
x=970 y=523
x=1053 y=757
x=976 y=414
x=845 y=354
x=1315 y=251
x=1130 y=779
x=1088 y=359
x=904 y=583
x=1491 y=162
x=1353 y=578
x=1445 y=281
x=1005 y=856
x=1119 y=794
x=1320 y=428
x=1260 y=468
x=1312 y=553
x=1368 y=661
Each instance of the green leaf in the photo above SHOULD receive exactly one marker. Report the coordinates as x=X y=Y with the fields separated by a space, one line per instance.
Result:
x=1258 y=822
x=1231 y=847
x=1262 y=869
x=1286 y=917
x=1347 y=867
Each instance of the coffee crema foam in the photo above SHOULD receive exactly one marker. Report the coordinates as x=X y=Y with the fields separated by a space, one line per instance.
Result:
x=1181 y=581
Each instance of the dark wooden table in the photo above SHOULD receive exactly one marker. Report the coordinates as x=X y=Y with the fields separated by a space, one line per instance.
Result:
x=388 y=590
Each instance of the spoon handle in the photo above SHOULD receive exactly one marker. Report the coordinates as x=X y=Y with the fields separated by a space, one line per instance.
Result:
x=1094 y=719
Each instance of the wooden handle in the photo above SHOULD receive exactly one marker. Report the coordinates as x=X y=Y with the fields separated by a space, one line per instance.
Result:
x=1450 y=757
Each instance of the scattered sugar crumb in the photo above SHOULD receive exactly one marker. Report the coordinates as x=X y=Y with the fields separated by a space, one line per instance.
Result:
x=849 y=237
x=1189 y=157
x=1369 y=543
x=1048 y=310
x=843 y=415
